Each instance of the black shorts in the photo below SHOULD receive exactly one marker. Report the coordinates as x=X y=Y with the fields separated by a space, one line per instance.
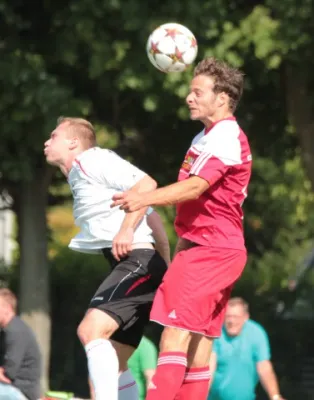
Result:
x=127 y=293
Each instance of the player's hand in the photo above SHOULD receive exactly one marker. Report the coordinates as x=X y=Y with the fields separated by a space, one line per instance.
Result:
x=128 y=201
x=3 y=377
x=122 y=243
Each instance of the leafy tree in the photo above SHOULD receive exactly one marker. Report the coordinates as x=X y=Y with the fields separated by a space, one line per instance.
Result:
x=88 y=58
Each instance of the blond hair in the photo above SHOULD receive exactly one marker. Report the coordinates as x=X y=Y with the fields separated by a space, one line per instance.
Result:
x=238 y=301
x=81 y=127
x=9 y=297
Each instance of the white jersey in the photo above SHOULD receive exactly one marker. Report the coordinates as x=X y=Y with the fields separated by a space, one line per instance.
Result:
x=96 y=175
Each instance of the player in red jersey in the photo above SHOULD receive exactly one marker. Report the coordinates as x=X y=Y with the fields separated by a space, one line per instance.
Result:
x=210 y=254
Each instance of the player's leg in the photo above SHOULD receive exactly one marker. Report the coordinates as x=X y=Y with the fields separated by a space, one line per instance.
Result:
x=127 y=388
x=168 y=311
x=103 y=366
x=132 y=333
x=183 y=302
x=116 y=314
x=196 y=380
x=101 y=320
x=171 y=365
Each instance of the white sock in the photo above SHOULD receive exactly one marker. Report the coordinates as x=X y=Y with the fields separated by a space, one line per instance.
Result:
x=127 y=386
x=103 y=368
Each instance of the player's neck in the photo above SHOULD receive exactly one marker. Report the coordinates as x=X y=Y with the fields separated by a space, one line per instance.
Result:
x=66 y=166
x=209 y=121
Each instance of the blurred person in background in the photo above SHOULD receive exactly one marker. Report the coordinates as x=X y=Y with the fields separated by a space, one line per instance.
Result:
x=135 y=245
x=241 y=358
x=143 y=364
x=20 y=364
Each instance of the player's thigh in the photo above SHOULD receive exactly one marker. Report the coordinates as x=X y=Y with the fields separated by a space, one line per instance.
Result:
x=193 y=290
x=127 y=294
x=102 y=318
x=200 y=348
x=96 y=324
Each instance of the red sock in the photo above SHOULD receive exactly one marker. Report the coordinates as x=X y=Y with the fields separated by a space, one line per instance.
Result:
x=195 y=384
x=168 y=377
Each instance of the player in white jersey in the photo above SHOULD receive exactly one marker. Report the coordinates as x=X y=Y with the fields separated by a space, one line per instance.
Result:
x=118 y=312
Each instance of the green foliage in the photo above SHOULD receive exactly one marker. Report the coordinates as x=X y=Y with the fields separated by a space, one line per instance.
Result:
x=87 y=58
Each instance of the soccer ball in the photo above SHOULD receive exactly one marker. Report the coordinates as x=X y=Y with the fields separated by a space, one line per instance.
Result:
x=171 y=48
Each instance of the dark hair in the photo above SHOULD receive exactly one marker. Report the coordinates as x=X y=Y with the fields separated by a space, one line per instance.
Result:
x=227 y=79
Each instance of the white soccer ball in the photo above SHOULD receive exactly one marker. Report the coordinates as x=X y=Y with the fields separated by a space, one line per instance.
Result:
x=171 y=48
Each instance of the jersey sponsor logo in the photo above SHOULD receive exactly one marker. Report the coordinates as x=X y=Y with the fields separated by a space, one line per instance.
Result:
x=188 y=162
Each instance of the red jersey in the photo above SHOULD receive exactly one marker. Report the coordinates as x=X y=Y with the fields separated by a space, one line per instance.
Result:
x=221 y=155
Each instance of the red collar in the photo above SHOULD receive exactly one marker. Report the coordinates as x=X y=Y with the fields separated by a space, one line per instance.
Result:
x=215 y=123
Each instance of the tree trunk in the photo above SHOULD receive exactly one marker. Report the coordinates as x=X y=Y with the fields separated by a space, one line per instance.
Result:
x=301 y=112
x=34 y=268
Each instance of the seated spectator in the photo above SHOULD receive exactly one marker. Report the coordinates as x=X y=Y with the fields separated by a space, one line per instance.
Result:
x=20 y=363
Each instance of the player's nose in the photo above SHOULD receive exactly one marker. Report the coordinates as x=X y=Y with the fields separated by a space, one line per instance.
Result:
x=189 y=99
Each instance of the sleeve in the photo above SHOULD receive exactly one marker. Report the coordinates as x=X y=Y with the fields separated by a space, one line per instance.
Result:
x=221 y=151
x=15 y=346
x=261 y=347
x=119 y=173
x=148 y=355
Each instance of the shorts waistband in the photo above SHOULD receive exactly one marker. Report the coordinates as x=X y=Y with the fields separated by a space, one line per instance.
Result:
x=107 y=252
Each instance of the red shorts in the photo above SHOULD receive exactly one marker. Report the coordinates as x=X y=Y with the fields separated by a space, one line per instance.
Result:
x=196 y=288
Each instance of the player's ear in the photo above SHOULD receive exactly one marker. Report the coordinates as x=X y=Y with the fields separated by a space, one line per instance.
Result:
x=222 y=99
x=73 y=143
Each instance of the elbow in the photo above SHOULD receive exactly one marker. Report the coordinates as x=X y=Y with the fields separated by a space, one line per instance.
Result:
x=151 y=184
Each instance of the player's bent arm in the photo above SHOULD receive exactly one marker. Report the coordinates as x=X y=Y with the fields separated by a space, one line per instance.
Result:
x=212 y=367
x=161 y=239
x=188 y=189
x=146 y=184
x=268 y=379
x=122 y=242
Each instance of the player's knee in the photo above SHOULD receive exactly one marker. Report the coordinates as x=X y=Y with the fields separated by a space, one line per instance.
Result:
x=174 y=339
x=95 y=325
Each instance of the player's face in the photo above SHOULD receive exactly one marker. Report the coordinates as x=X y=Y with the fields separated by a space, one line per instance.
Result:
x=58 y=146
x=203 y=103
x=235 y=318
